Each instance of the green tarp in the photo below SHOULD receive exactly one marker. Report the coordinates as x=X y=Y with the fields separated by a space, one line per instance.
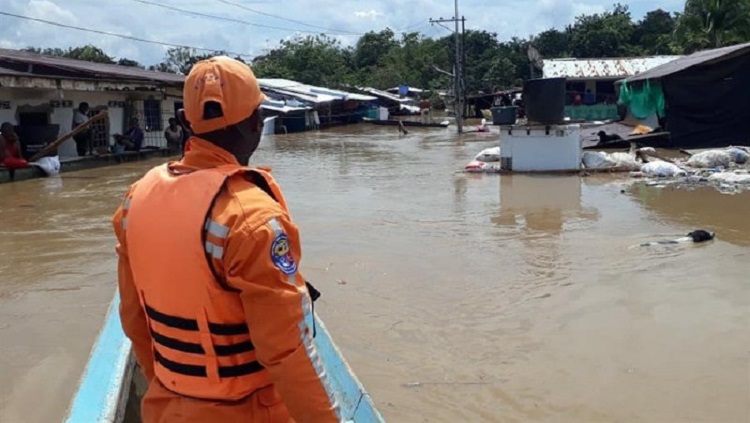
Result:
x=643 y=99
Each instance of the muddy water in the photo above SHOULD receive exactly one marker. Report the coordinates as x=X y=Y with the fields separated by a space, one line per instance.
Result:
x=455 y=297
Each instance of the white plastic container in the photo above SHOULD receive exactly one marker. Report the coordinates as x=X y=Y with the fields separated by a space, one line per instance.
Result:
x=538 y=149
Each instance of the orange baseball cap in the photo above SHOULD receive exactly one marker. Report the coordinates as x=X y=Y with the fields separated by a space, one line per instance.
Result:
x=223 y=80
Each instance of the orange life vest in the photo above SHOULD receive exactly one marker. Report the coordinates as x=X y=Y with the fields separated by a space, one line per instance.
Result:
x=201 y=343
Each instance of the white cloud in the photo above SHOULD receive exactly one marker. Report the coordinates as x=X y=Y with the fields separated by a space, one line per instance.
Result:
x=372 y=14
x=508 y=18
x=44 y=9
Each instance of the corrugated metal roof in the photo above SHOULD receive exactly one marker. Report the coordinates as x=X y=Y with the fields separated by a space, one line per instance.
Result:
x=700 y=58
x=386 y=95
x=89 y=69
x=310 y=93
x=614 y=68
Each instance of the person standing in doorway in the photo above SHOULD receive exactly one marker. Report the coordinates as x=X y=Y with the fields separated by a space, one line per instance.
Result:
x=173 y=135
x=82 y=139
x=219 y=315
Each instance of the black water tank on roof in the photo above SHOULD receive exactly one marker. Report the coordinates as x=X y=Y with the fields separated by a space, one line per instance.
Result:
x=544 y=100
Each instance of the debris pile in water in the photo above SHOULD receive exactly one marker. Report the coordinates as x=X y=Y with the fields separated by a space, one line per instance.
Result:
x=727 y=169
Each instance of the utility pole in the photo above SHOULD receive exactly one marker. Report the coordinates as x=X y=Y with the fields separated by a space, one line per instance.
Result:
x=458 y=68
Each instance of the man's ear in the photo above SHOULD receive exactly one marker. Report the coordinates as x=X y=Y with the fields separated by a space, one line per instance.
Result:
x=182 y=119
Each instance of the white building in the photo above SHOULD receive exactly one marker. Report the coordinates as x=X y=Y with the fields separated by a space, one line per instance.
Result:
x=39 y=94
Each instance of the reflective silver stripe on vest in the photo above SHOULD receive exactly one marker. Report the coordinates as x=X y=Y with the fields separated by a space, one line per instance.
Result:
x=125 y=207
x=214 y=250
x=276 y=226
x=216 y=229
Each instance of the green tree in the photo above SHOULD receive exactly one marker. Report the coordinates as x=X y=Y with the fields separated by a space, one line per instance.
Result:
x=315 y=60
x=713 y=23
x=131 y=63
x=372 y=47
x=653 y=34
x=602 y=35
x=552 y=43
x=89 y=53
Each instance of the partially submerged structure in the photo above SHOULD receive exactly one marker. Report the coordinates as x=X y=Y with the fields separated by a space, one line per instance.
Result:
x=594 y=81
x=396 y=105
x=704 y=98
x=299 y=107
x=39 y=95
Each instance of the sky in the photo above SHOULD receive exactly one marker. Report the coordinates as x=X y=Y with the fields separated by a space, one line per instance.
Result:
x=258 y=32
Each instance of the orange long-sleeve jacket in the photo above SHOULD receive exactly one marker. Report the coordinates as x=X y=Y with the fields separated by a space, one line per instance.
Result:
x=276 y=311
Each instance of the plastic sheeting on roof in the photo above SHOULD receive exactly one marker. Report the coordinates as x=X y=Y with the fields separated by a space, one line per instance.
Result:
x=701 y=57
x=615 y=68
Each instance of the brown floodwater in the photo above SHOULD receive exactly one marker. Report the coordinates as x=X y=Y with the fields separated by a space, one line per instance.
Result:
x=455 y=297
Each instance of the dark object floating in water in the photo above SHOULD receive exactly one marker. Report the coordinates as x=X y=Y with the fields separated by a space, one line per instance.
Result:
x=697 y=236
x=702 y=236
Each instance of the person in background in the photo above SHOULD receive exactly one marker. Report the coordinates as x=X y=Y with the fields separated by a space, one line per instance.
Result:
x=10 y=148
x=589 y=99
x=82 y=139
x=174 y=135
x=131 y=140
x=219 y=315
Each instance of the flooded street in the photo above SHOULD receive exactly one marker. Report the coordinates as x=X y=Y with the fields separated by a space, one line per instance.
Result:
x=455 y=297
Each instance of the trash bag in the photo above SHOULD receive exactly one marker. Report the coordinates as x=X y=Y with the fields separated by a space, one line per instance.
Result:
x=475 y=166
x=50 y=165
x=489 y=155
x=739 y=178
x=662 y=169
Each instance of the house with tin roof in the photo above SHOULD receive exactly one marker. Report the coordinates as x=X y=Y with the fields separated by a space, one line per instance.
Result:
x=592 y=81
x=39 y=94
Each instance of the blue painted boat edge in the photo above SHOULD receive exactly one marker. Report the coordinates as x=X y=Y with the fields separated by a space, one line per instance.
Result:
x=356 y=404
x=105 y=382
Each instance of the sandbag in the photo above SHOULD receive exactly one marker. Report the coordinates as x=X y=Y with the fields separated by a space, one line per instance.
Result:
x=489 y=155
x=738 y=155
x=625 y=160
x=596 y=160
x=602 y=160
x=710 y=159
x=662 y=169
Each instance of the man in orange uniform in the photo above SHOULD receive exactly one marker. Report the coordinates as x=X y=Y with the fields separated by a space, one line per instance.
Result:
x=211 y=296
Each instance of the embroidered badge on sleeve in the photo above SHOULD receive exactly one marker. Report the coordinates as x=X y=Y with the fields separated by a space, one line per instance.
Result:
x=281 y=255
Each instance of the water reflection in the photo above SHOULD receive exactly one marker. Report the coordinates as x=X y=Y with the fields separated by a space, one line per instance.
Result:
x=702 y=208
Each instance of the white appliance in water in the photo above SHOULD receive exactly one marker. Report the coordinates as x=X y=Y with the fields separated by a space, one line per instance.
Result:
x=538 y=148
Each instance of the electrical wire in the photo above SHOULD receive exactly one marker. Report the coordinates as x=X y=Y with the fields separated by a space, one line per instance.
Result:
x=242 y=6
x=113 y=34
x=223 y=18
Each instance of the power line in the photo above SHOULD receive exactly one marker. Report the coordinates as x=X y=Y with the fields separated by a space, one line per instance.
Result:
x=113 y=34
x=223 y=18
x=241 y=6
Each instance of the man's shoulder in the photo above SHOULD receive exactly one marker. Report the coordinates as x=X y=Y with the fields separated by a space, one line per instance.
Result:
x=243 y=188
x=251 y=202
